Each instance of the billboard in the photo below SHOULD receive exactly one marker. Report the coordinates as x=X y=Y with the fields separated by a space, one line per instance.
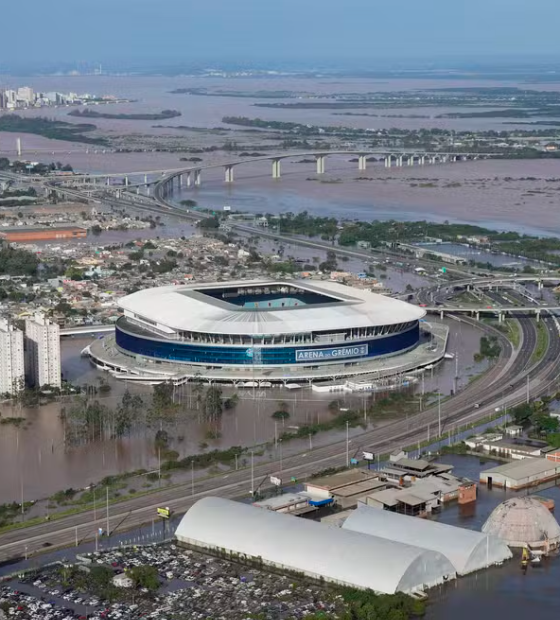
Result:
x=319 y=355
x=165 y=513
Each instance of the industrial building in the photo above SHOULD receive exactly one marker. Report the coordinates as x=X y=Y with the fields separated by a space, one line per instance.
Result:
x=263 y=330
x=467 y=550
x=524 y=522
x=283 y=542
x=413 y=469
x=521 y=474
x=26 y=234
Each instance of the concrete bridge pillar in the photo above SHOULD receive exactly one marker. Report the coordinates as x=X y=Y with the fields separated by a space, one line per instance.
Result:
x=126 y=181
x=229 y=173
x=399 y=161
x=540 y=285
x=320 y=164
x=108 y=181
x=453 y=158
x=410 y=161
x=444 y=159
x=145 y=179
x=189 y=179
x=442 y=314
x=197 y=177
x=179 y=181
x=477 y=315
x=362 y=162
x=422 y=160
x=138 y=189
x=538 y=315
x=500 y=317
x=276 y=169
x=388 y=161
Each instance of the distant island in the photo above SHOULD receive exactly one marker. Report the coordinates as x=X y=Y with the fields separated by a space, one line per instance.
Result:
x=158 y=116
x=52 y=129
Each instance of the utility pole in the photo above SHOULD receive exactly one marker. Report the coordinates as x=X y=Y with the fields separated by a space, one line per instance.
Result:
x=439 y=413
x=108 y=530
x=192 y=477
x=347 y=447
x=252 y=474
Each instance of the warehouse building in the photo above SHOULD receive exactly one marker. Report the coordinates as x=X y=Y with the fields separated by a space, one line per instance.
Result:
x=467 y=550
x=521 y=474
x=347 y=558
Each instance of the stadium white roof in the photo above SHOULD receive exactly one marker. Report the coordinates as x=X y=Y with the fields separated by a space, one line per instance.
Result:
x=184 y=308
x=317 y=550
x=467 y=550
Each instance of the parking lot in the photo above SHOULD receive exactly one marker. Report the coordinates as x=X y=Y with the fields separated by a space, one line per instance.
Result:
x=191 y=585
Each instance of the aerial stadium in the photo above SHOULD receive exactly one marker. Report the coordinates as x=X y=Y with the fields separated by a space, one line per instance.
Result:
x=270 y=331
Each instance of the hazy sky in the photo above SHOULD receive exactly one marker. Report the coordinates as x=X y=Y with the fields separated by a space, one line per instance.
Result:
x=112 y=31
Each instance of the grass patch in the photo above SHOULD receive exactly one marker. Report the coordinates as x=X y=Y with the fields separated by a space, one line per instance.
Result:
x=542 y=343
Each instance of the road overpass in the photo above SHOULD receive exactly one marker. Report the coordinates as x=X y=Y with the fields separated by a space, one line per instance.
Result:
x=86 y=330
x=168 y=180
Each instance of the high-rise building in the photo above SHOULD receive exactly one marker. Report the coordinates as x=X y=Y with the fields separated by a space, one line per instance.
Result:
x=26 y=95
x=10 y=97
x=42 y=352
x=11 y=358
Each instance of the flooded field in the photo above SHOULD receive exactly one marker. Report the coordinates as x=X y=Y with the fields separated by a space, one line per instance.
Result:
x=480 y=256
x=43 y=463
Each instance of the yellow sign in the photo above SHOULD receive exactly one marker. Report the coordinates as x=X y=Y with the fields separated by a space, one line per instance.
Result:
x=165 y=513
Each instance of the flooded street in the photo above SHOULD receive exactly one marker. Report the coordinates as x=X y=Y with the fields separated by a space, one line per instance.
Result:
x=501 y=591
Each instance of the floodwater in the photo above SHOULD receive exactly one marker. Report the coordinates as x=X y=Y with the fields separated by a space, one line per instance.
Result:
x=504 y=195
x=152 y=94
x=510 y=195
x=501 y=591
x=42 y=464
x=479 y=255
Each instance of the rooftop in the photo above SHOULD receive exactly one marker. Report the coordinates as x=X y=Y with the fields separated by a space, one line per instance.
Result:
x=191 y=308
x=518 y=470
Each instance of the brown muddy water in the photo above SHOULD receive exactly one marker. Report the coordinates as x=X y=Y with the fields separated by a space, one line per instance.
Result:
x=34 y=457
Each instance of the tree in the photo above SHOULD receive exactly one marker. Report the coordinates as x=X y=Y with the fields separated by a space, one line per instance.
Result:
x=162 y=400
x=144 y=577
x=213 y=406
x=126 y=412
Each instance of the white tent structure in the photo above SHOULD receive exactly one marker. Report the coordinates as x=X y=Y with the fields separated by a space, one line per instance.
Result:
x=524 y=521
x=467 y=550
x=316 y=550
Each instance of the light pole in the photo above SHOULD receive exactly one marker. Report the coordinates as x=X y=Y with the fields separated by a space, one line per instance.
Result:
x=439 y=414
x=108 y=530
x=192 y=477
x=347 y=447
x=252 y=474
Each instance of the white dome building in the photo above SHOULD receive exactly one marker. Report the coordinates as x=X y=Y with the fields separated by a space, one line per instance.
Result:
x=522 y=522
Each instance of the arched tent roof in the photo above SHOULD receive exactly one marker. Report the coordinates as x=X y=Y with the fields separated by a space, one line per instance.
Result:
x=467 y=550
x=288 y=542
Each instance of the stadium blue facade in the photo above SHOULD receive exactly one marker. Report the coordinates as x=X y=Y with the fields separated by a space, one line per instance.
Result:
x=133 y=342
